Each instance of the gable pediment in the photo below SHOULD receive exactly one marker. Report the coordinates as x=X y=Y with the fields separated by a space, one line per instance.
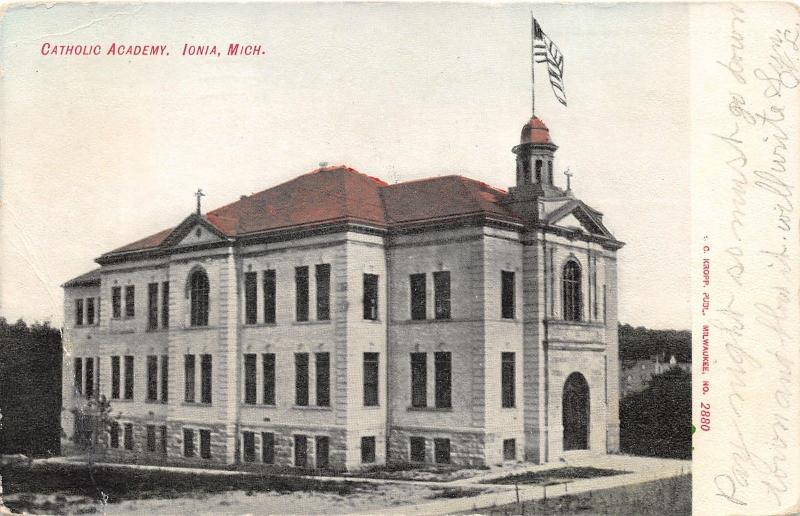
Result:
x=194 y=230
x=576 y=216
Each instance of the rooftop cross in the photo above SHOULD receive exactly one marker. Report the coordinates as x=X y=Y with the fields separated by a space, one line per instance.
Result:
x=199 y=193
x=569 y=175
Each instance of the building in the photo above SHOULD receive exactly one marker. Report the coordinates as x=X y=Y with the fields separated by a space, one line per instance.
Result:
x=337 y=321
x=635 y=375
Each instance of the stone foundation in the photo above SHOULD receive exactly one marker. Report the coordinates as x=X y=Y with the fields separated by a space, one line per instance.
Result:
x=284 y=446
x=466 y=448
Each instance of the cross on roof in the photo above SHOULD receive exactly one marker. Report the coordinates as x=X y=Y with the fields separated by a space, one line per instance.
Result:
x=569 y=175
x=199 y=193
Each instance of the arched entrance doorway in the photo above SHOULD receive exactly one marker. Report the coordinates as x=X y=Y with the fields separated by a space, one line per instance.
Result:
x=575 y=413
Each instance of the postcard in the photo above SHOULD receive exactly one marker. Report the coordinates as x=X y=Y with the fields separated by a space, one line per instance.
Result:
x=407 y=258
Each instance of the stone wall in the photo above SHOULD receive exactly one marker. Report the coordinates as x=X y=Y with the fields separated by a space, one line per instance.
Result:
x=466 y=448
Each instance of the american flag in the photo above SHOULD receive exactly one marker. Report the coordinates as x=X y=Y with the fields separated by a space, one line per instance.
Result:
x=545 y=51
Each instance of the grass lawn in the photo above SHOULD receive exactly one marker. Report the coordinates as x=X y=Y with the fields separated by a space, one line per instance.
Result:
x=555 y=476
x=427 y=472
x=668 y=497
x=76 y=488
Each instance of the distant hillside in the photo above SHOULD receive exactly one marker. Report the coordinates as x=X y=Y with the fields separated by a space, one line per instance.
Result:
x=638 y=343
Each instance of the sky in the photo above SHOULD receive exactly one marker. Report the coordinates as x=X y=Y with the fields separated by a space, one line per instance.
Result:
x=103 y=150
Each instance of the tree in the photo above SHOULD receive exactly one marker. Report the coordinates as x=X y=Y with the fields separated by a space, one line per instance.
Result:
x=30 y=388
x=641 y=343
x=658 y=421
x=92 y=421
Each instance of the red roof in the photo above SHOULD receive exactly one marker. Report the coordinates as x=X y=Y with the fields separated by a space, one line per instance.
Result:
x=340 y=193
x=441 y=197
x=535 y=132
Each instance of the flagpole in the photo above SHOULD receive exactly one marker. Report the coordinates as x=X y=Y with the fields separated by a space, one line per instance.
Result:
x=533 y=69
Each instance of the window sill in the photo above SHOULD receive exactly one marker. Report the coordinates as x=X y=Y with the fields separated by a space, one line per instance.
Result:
x=121 y=400
x=585 y=324
x=120 y=332
x=155 y=402
x=311 y=323
x=257 y=406
x=431 y=321
x=199 y=328
x=157 y=330
x=260 y=325
x=430 y=409
x=312 y=407
x=195 y=404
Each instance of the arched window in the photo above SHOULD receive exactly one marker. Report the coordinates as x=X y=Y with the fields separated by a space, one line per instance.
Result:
x=198 y=292
x=571 y=291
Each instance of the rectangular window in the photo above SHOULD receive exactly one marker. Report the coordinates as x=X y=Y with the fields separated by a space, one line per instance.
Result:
x=300 y=451
x=442 y=373
x=152 y=306
x=323 y=277
x=90 y=310
x=323 y=366
x=301 y=293
x=152 y=378
x=604 y=303
x=507 y=280
x=249 y=446
x=269 y=296
x=78 y=371
x=128 y=436
x=250 y=379
x=441 y=450
x=417 y=445
x=188 y=375
x=151 y=438
x=368 y=450
x=441 y=294
x=128 y=377
x=205 y=378
x=301 y=379
x=114 y=435
x=89 y=378
x=419 y=380
x=79 y=312
x=250 y=298
x=371 y=297
x=188 y=442
x=130 y=303
x=323 y=451
x=114 y=378
x=269 y=378
x=164 y=378
x=419 y=305
x=508 y=378
x=98 y=305
x=165 y=304
x=205 y=444
x=267 y=447
x=116 y=302
x=509 y=449
x=593 y=291
x=163 y=436
x=370 y=379
x=98 y=367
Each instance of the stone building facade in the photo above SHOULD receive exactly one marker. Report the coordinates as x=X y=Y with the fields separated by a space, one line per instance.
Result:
x=335 y=321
